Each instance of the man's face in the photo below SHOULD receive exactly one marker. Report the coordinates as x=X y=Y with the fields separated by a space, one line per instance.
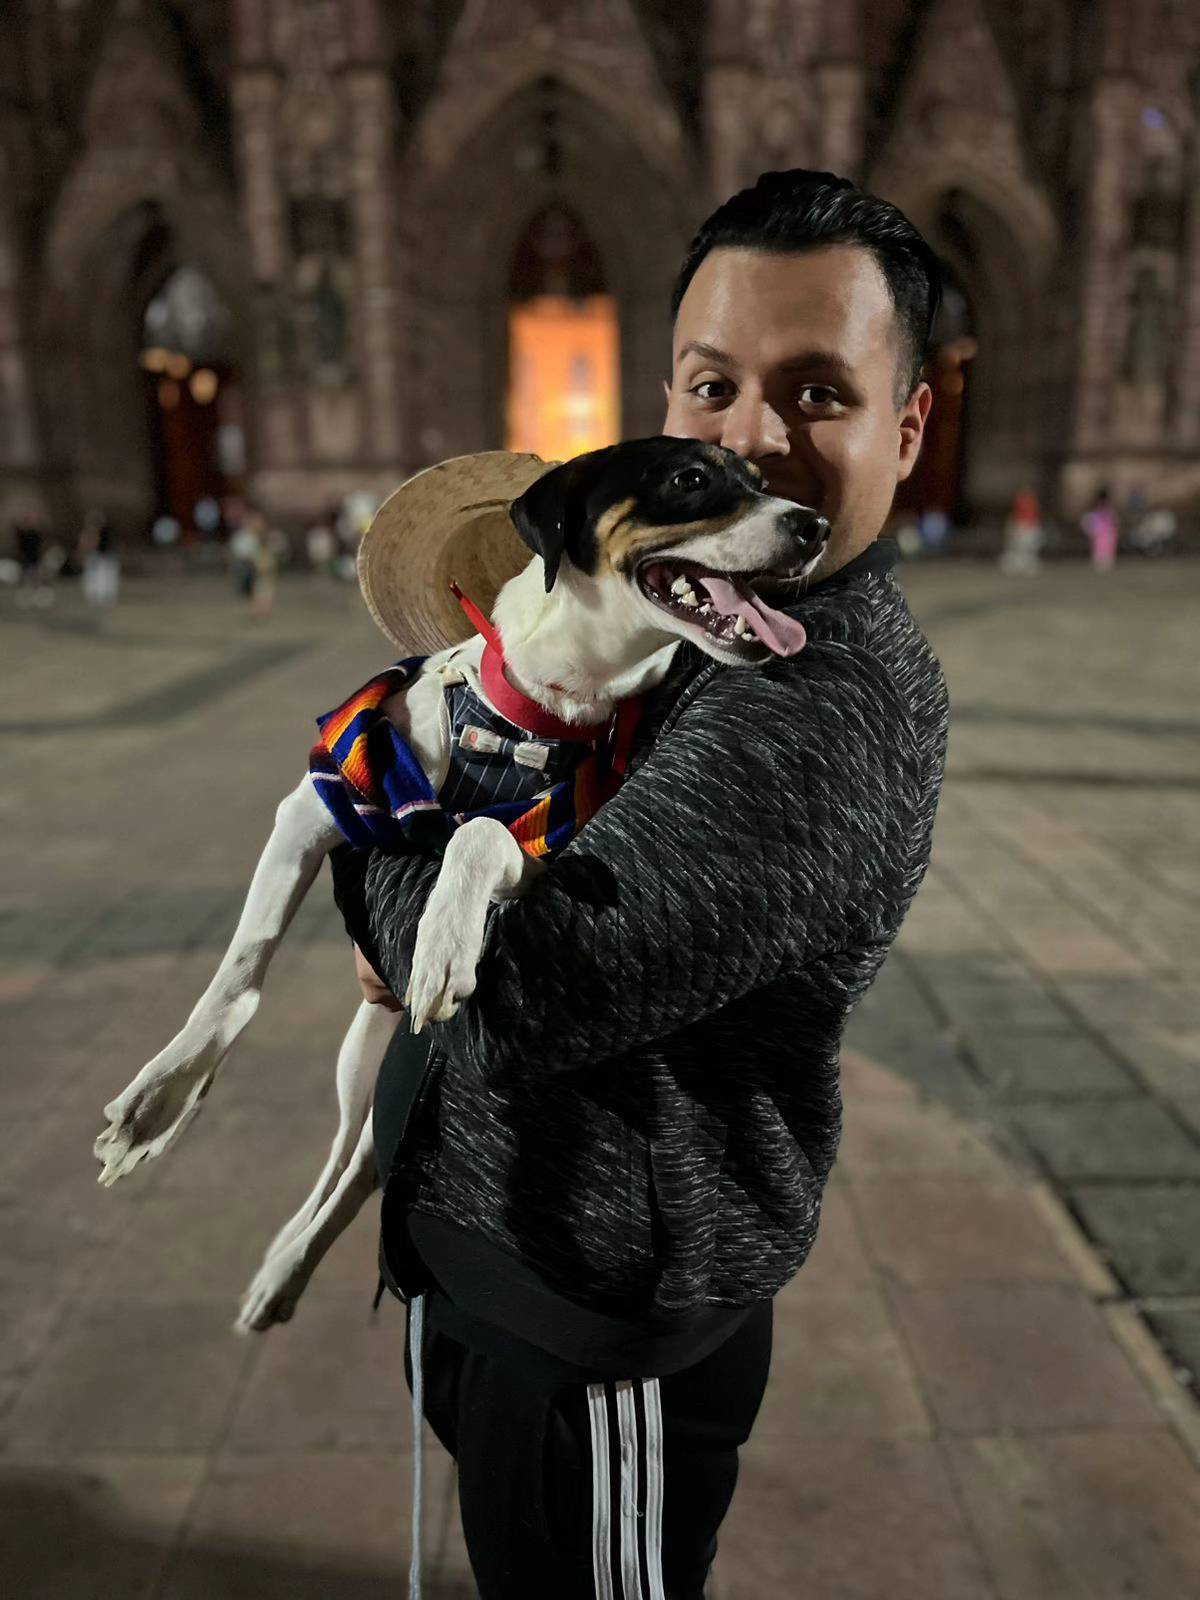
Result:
x=792 y=361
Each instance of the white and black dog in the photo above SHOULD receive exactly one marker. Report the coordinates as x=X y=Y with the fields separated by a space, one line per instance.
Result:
x=636 y=547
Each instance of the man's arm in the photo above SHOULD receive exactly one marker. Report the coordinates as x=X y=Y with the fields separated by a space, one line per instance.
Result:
x=753 y=838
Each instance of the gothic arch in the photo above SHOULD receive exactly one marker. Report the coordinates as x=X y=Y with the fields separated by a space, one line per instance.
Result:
x=120 y=229
x=1000 y=237
x=463 y=221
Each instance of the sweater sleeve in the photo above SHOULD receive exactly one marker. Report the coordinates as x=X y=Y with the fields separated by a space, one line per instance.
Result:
x=751 y=839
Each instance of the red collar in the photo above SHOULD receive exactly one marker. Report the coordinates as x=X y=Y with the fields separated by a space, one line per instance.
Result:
x=510 y=702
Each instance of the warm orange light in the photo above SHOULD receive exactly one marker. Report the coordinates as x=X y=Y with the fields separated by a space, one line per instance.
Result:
x=563 y=376
x=154 y=359
x=178 y=365
x=203 y=384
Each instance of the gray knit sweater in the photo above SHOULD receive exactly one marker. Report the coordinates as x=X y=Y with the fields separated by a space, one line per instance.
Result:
x=640 y=1102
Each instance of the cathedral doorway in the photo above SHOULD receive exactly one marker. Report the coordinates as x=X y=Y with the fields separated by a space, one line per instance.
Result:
x=563 y=391
x=194 y=402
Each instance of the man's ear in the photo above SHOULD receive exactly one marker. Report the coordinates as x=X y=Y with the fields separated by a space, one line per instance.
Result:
x=912 y=419
x=549 y=515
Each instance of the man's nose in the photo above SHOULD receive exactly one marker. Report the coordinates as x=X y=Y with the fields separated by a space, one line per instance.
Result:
x=808 y=528
x=754 y=429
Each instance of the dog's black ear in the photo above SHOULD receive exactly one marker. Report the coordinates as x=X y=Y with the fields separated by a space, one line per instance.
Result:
x=550 y=514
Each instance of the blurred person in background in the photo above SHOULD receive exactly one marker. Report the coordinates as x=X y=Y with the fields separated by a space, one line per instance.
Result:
x=271 y=551
x=321 y=544
x=1099 y=523
x=1023 y=535
x=1154 y=531
x=933 y=529
x=101 y=564
x=35 y=562
x=243 y=550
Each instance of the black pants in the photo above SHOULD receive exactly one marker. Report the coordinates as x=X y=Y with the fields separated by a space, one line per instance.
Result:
x=531 y=1480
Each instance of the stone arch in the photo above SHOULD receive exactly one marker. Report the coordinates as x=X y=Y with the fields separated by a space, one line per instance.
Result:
x=1002 y=241
x=464 y=219
x=115 y=239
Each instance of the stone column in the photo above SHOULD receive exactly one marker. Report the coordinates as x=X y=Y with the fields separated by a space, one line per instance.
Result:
x=274 y=419
x=370 y=104
x=1112 y=119
x=1185 y=419
x=840 y=90
x=20 y=453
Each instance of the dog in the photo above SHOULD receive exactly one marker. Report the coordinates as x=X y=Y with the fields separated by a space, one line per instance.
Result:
x=636 y=547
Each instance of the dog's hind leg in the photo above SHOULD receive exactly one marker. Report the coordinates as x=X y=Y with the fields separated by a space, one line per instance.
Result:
x=285 y=1272
x=358 y=1064
x=166 y=1094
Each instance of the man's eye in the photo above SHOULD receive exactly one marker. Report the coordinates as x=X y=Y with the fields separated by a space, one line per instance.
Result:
x=707 y=383
x=817 y=394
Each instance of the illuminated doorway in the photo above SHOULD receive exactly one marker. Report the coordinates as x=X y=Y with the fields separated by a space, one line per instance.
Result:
x=194 y=401
x=563 y=394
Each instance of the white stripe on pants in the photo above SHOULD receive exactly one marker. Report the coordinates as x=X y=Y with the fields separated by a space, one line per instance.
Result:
x=634 y=1462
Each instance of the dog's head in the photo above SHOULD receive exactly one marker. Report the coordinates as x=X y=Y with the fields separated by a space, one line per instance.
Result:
x=688 y=528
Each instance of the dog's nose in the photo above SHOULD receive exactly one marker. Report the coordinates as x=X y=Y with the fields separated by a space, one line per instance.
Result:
x=809 y=529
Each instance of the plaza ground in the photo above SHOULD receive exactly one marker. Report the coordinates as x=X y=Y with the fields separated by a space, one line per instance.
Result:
x=983 y=1386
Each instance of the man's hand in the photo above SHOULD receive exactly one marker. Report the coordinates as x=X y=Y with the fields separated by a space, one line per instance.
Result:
x=372 y=985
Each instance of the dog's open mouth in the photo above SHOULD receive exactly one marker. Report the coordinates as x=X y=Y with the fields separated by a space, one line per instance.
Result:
x=723 y=604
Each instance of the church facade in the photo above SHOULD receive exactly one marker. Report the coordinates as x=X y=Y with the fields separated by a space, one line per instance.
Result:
x=350 y=182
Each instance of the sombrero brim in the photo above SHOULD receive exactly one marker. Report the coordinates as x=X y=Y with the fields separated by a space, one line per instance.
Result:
x=447 y=522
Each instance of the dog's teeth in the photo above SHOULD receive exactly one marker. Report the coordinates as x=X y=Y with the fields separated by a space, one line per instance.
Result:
x=689 y=599
x=740 y=626
x=707 y=606
x=680 y=585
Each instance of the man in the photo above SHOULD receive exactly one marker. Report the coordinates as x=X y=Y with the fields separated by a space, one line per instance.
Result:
x=617 y=1155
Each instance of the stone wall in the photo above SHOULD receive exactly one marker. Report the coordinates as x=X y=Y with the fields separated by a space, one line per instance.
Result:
x=353 y=177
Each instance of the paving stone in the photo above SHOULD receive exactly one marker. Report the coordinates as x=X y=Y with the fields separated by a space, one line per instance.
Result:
x=1111 y=1139
x=123 y=1378
x=838 y=1367
x=336 y=1349
x=1016 y=1061
x=856 y=1518
x=1179 y=1327
x=94 y=1527
x=311 y=1526
x=917 y=1191
x=879 y=1137
x=26 y=1327
x=925 y=1059
x=927 y=1231
x=1150 y=1233
x=838 y=1258
x=1096 y=1515
x=1024 y=1357
x=43 y=1245
x=1189 y=1109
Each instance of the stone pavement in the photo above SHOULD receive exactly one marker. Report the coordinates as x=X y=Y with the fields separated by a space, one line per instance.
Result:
x=967 y=1399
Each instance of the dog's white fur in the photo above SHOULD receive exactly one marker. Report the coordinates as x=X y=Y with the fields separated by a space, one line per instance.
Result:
x=601 y=640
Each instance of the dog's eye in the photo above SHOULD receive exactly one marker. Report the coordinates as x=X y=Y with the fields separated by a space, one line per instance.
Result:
x=690 y=481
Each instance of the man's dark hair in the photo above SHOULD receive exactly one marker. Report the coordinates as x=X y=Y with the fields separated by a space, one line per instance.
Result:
x=795 y=211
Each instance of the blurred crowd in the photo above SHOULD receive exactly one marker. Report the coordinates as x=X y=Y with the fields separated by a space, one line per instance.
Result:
x=37 y=560
x=1104 y=531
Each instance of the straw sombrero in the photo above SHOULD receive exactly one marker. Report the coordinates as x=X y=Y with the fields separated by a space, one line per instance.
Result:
x=448 y=522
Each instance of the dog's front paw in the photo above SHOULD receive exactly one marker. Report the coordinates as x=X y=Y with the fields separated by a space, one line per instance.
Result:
x=276 y=1288
x=449 y=942
x=151 y=1114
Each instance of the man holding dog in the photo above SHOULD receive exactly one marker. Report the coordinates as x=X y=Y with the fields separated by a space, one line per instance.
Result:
x=646 y=1075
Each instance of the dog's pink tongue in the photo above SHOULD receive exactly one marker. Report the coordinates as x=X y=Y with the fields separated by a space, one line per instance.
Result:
x=779 y=632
